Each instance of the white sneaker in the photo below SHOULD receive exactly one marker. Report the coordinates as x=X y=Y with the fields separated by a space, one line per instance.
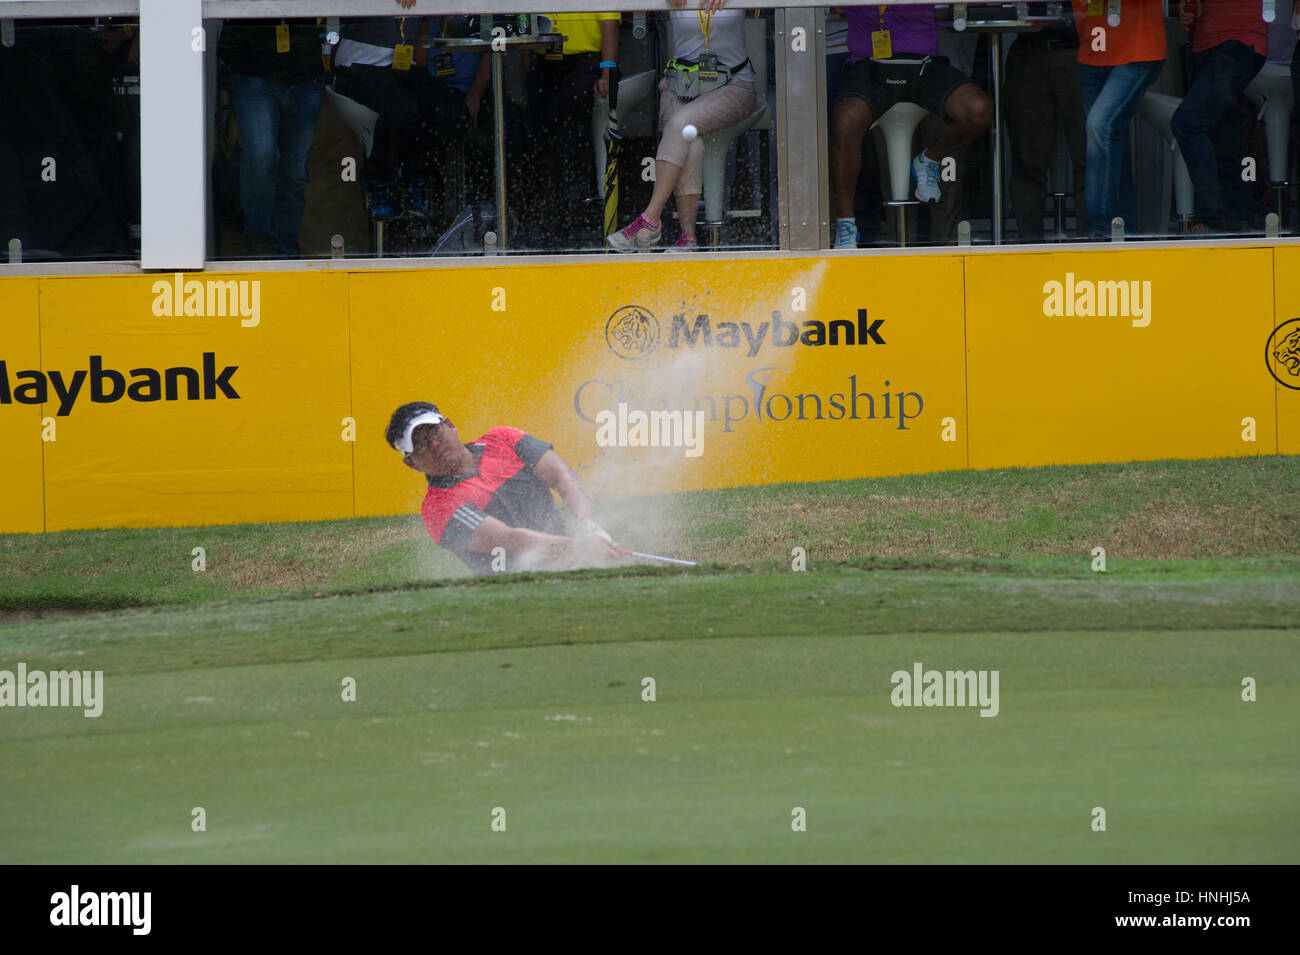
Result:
x=846 y=234
x=925 y=173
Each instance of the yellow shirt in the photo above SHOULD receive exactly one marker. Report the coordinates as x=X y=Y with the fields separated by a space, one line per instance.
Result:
x=582 y=30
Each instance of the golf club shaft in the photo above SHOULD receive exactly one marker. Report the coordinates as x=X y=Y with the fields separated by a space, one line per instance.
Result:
x=670 y=560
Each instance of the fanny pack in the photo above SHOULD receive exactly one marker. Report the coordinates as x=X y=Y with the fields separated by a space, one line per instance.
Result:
x=687 y=80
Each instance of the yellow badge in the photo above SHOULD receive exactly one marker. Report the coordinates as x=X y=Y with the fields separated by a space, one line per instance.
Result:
x=403 y=54
x=881 y=48
x=281 y=38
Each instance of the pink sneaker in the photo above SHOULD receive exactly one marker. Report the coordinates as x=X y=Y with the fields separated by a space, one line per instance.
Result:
x=684 y=244
x=641 y=234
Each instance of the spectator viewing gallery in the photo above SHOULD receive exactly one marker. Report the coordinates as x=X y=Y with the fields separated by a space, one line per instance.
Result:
x=662 y=130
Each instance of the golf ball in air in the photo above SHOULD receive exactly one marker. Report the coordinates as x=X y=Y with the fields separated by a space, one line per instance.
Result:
x=689 y=133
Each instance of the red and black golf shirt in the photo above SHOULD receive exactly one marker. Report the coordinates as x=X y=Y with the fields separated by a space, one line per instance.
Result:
x=503 y=487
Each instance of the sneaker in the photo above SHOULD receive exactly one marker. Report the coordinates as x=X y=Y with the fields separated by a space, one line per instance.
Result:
x=684 y=244
x=641 y=234
x=846 y=234
x=380 y=202
x=925 y=173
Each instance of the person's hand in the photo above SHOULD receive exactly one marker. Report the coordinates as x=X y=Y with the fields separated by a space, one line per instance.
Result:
x=601 y=86
x=473 y=101
x=1187 y=13
x=406 y=4
x=707 y=6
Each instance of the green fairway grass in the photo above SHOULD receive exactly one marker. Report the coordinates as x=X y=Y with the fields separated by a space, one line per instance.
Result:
x=1121 y=690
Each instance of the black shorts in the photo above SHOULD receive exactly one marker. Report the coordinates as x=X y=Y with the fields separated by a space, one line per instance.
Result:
x=927 y=81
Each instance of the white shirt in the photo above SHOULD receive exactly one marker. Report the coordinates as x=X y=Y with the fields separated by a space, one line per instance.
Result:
x=352 y=53
x=726 y=39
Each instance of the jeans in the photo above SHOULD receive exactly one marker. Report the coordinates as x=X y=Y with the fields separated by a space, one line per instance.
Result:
x=277 y=123
x=1111 y=95
x=1207 y=126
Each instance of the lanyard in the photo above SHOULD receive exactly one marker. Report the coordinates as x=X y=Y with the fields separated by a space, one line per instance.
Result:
x=882 y=16
x=704 y=26
x=402 y=28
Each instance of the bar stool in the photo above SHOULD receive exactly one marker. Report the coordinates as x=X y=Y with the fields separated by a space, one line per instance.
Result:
x=1271 y=91
x=1059 y=175
x=1158 y=110
x=717 y=143
x=898 y=125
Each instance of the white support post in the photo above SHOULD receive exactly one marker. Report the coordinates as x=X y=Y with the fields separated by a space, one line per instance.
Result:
x=172 y=128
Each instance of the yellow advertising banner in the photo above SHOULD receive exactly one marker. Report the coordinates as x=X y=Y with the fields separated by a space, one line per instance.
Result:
x=1084 y=357
x=196 y=398
x=23 y=433
x=665 y=375
x=1281 y=352
x=201 y=398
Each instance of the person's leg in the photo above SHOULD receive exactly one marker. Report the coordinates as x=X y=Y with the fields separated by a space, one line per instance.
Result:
x=1199 y=125
x=258 y=110
x=968 y=112
x=860 y=102
x=709 y=113
x=375 y=87
x=1029 y=106
x=576 y=102
x=1111 y=95
x=1139 y=76
x=297 y=130
x=1230 y=140
x=850 y=120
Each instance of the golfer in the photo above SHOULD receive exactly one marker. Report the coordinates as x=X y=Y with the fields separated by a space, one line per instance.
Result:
x=496 y=492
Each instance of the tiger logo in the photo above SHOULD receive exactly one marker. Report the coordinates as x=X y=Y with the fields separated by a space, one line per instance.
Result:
x=632 y=332
x=1285 y=351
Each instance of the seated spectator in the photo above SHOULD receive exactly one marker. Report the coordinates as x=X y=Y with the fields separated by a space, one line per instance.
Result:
x=1116 y=67
x=382 y=63
x=562 y=87
x=1042 y=92
x=276 y=89
x=894 y=57
x=713 y=41
x=1229 y=46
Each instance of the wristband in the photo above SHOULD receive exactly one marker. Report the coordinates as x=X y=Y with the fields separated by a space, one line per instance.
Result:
x=608 y=65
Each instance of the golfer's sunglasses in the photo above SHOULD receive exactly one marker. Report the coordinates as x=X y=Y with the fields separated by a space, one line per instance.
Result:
x=437 y=428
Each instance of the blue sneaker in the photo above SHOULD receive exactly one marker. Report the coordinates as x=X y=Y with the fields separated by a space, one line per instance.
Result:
x=925 y=173
x=379 y=202
x=846 y=234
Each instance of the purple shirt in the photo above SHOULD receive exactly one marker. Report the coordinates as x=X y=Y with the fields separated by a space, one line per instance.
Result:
x=911 y=30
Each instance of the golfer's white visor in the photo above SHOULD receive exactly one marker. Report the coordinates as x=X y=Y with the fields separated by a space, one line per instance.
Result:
x=404 y=444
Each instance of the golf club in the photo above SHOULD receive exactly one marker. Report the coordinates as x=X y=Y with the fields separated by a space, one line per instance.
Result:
x=669 y=560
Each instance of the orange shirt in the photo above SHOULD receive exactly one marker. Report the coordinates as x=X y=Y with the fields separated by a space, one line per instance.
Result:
x=1139 y=38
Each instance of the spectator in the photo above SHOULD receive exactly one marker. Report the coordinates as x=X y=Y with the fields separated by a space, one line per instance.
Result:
x=1229 y=46
x=382 y=63
x=867 y=197
x=714 y=40
x=1116 y=66
x=276 y=89
x=1042 y=92
x=894 y=57
x=562 y=89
